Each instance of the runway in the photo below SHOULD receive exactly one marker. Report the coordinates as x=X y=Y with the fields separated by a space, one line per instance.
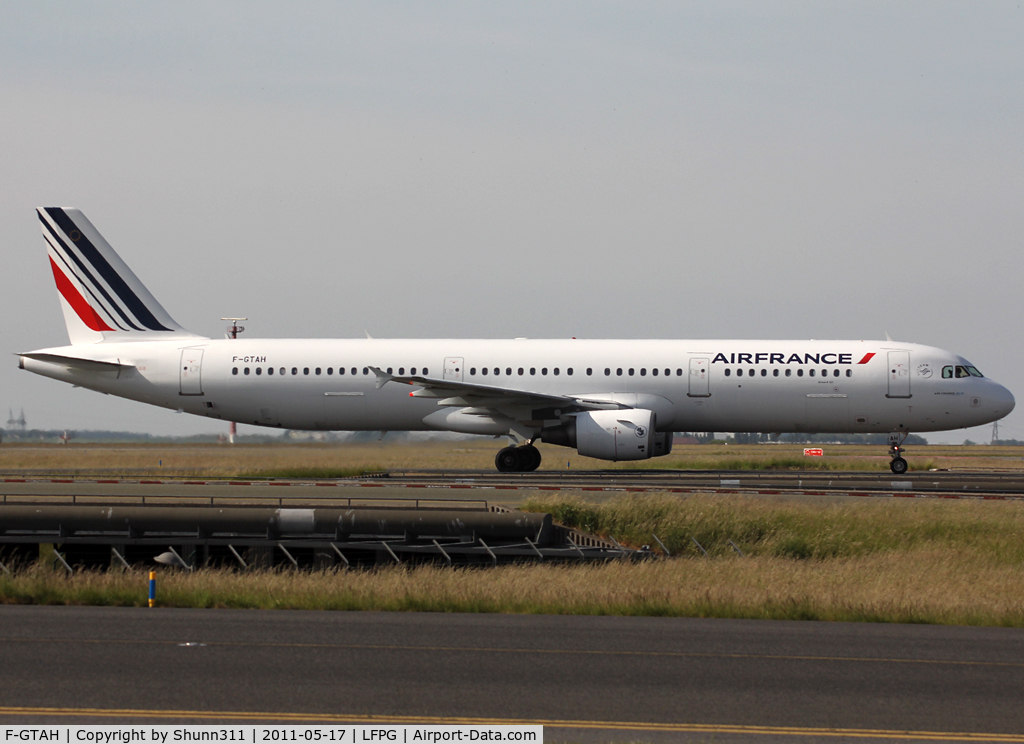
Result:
x=587 y=679
x=510 y=488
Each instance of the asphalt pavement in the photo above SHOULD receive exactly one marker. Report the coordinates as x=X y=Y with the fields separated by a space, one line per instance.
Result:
x=587 y=679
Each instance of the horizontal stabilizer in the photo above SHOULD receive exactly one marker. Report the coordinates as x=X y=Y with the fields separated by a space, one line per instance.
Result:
x=74 y=363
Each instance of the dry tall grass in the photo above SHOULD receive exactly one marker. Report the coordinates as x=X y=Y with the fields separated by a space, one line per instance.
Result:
x=927 y=586
x=884 y=561
x=798 y=528
x=874 y=560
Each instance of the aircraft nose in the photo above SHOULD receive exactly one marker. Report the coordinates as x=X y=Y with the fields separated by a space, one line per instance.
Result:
x=1004 y=401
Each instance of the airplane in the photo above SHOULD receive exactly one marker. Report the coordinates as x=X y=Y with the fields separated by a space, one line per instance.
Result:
x=615 y=400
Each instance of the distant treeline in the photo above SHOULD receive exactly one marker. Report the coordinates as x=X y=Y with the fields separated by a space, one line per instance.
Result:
x=54 y=436
x=757 y=438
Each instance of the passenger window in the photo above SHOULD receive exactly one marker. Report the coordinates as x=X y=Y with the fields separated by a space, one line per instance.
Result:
x=569 y=371
x=962 y=372
x=425 y=371
x=330 y=370
x=508 y=370
x=590 y=371
x=483 y=370
x=739 y=373
x=282 y=370
x=401 y=371
x=366 y=370
x=764 y=373
x=643 y=371
x=497 y=371
x=607 y=371
x=259 y=370
x=630 y=371
x=472 y=370
x=800 y=373
x=789 y=373
x=555 y=370
x=318 y=370
x=835 y=373
x=412 y=371
x=679 y=373
x=543 y=370
x=245 y=371
x=295 y=370
x=520 y=371
x=341 y=370
x=305 y=371
x=619 y=371
x=234 y=370
x=775 y=373
x=270 y=370
x=533 y=370
x=751 y=373
x=654 y=371
x=389 y=371
x=728 y=372
x=811 y=373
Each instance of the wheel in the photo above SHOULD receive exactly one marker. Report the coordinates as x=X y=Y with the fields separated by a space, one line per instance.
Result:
x=507 y=460
x=898 y=465
x=530 y=458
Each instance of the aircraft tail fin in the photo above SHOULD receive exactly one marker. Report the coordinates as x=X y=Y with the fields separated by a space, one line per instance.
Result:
x=101 y=297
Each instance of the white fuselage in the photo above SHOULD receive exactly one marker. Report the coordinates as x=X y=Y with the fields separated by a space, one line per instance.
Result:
x=692 y=385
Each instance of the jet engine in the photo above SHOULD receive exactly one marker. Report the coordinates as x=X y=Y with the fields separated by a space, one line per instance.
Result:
x=612 y=435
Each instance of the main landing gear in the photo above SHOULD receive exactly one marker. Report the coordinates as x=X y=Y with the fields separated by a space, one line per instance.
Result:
x=523 y=459
x=898 y=465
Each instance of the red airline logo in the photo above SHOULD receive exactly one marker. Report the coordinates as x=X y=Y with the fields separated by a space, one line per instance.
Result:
x=77 y=302
x=867 y=358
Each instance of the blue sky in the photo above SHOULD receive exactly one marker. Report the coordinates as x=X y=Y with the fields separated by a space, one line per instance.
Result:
x=672 y=170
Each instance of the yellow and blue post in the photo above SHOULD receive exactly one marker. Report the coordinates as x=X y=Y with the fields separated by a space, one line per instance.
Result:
x=152 y=588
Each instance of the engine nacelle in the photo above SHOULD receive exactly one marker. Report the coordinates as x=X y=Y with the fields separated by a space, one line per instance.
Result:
x=661 y=443
x=612 y=435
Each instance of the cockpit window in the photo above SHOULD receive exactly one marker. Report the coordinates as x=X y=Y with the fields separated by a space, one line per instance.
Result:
x=974 y=371
x=947 y=372
x=961 y=371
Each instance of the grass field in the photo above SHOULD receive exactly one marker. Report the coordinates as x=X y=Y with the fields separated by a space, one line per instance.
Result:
x=873 y=560
x=339 y=460
x=929 y=586
x=878 y=560
x=797 y=528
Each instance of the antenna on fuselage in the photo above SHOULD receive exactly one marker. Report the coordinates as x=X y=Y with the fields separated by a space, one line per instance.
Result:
x=233 y=330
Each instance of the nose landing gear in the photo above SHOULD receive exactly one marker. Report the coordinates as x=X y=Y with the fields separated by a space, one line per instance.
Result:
x=523 y=459
x=898 y=465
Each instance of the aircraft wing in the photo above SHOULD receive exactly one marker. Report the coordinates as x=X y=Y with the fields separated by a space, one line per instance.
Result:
x=459 y=393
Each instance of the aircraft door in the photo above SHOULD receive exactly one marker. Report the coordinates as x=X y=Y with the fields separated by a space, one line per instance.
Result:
x=899 y=374
x=700 y=372
x=190 y=372
x=453 y=368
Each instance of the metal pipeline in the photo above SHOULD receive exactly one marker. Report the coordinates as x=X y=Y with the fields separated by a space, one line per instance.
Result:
x=140 y=521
